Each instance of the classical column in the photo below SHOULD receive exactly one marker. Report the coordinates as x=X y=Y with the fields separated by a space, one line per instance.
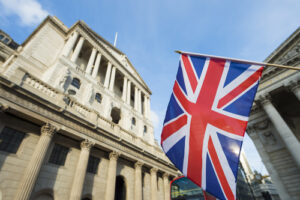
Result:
x=138 y=181
x=80 y=172
x=33 y=168
x=97 y=65
x=153 y=172
x=111 y=176
x=140 y=101
x=107 y=75
x=124 y=89
x=295 y=88
x=70 y=44
x=286 y=134
x=128 y=92
x=112 y=79
x=136 y=98
x=145 y=106
x=166 y=186
x=77 y=49
x=91 y=61
x=148 y=108
x=267 y=162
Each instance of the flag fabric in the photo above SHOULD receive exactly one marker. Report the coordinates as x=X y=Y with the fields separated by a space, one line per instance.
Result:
x=206 y=120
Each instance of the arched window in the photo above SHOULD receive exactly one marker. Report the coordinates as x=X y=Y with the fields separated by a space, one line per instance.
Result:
x=98 y=97
x=76 y=83
x=115 y=115
x=133 y=121
x=145 y=129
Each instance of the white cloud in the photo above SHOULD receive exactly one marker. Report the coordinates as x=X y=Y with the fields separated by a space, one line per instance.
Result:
x=155 y=119
x=30 y=12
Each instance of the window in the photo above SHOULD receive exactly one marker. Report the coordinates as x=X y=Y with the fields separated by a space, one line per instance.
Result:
x=133 y=121
x=6 y=40
x=98 y=97
x=59 y=154
x=10 y=139
x=115 y=115
x=76 y=83
x=145 y=129
x=93 y=165
x=1 y=37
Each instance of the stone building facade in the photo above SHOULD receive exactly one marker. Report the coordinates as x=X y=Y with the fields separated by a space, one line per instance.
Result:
x=75 y=121
x=274 y=123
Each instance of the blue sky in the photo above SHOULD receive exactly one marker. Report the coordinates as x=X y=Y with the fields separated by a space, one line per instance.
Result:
x=150 y=31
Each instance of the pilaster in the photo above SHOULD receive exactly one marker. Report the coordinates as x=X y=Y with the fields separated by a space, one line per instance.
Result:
x=111 y=176
x=153 y=173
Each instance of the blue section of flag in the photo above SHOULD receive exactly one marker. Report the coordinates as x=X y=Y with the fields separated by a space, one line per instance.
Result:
x=242 y=105
x=231 y=149
x=235 y=69
x=212 y=183
x=173 y=110
x=198 y=63
x=180 y=79
x=176 y=154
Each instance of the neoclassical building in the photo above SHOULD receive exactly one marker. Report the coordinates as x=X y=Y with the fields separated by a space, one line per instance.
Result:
x=75 y=121
x=274 y=123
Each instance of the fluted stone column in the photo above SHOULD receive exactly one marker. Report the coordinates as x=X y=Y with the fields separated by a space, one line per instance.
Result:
x=148 y=108
x=128 y=92
x=153 y=173
x=112 y=79
x=139 y=101
x=111 y=176
x=97 y=65
x=77 y=49
x=136 y=98
x=145 y=106
x=286 y=134
x=34 y=166
x=107 y=75
x=166 y=186
x=91 y=61
x=138 y=181
x=124 y=92
x=80 y=172
x=70 y=44
x=267 y=162
x=295 y=88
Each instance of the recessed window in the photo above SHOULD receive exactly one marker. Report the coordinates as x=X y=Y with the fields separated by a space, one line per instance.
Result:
x=93 y=165
x=76 y=83
x=98 y=97
x=1 y=37
x=59 y=154
x=145 y=129
x=10 y=140
x=6 y=40
x=133 y=121
x=115 y=115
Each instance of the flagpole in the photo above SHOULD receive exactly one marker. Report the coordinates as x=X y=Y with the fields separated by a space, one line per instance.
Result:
x=239 y=60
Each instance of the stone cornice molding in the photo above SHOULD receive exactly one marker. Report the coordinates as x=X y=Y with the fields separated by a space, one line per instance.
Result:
x=114 y=155
x=264 y=99
x=294 y=85
x=3 y=108
x=48 y=130
x=153 y=170
x=138 y=164
x=87 y=144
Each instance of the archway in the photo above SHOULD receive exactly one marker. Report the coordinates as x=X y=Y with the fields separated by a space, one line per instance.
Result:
x=120 y=190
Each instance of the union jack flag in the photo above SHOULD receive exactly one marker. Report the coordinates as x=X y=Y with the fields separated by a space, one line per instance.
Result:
x=206 y=120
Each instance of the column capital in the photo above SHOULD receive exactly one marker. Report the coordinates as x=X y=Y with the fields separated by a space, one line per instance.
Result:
x=166 y=175
x=153 y=170
x=87 y=144
x=294 y=85
x=114 y=155
x=48 y=130
x=3 y=108
x=264 y=99
x=138 y=164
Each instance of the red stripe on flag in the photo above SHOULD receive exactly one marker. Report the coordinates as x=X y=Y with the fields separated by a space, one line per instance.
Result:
x=186 y=104
x=190 y=72
x=219 y=171
x=173 y=127
x=241 y=88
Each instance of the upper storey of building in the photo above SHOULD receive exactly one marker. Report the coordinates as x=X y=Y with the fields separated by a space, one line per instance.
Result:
x=93 y=76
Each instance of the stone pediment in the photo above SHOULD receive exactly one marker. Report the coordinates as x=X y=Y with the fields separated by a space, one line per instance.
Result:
x=116 y=53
